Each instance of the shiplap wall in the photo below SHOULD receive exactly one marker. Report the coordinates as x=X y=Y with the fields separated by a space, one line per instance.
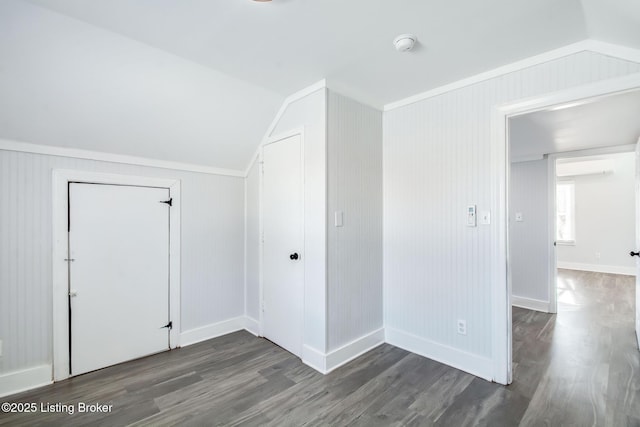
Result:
x=529 y=248
x=354 y=177
x=436 y=161
x=212 y=249
x=252 y=242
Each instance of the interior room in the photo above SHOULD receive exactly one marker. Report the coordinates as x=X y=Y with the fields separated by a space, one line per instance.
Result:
x=572 y=219
x=275 y=212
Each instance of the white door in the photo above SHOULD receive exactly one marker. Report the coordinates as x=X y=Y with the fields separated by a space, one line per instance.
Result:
x=119 y=274
x=637 y=248
x=283 y=260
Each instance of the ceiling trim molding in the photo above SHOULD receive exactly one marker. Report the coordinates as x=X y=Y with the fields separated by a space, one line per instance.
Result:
x=322 y=84
x=527 y=158
x=609 y=49
x=49 y=150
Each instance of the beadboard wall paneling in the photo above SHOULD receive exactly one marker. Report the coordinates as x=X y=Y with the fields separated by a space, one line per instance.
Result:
x=436 y=161
x=530 y=251
x=310 y=114
x=252 y=242
x=212 y=249
x=354 y=250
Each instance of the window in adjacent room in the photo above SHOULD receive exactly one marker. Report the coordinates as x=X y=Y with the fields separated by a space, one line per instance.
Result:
x=565 y=212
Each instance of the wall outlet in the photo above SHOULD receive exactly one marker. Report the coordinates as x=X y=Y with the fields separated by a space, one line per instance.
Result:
x=462 y=327
x=597 y=255
x=519 y=217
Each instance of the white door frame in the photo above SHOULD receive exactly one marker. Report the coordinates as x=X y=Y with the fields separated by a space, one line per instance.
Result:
x=501 y=344
x=271 y=140
x=61 y=180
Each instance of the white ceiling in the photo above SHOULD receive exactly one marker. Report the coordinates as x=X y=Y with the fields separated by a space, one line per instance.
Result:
x=228 y=64
x=286 y=45
x=70 y=84
x=602 y=122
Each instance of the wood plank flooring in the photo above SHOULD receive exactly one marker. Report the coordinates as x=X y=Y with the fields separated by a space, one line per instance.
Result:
x=578 y=368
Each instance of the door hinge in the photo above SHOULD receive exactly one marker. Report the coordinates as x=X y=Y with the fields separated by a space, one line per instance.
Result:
x=168 y=325
x=169 y=202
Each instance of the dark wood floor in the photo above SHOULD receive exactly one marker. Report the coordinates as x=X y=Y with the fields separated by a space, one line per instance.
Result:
x=578 y=368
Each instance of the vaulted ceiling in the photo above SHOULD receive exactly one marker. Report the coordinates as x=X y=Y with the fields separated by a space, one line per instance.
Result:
x=199 y=80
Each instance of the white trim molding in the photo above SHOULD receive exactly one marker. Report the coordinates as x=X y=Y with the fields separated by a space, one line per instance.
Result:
x=595 y=46
x=203 y=333
x=322 y=84
x=354 y=349
x=598 y=268
x=327 y=362
x=314 y=358
x=252 y=326
x=501 y=284
x=60 y=295
x=75 y=153
x=25 y=379
x=472 y=363
x=530 y=303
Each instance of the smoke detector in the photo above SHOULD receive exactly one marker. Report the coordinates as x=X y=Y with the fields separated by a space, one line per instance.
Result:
x=404 y=42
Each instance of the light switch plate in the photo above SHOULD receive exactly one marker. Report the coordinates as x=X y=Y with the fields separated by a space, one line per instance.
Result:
x=519 y=217
x=485 y=218
x=338 y=218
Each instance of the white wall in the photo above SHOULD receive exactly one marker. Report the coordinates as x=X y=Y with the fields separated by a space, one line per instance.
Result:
x=310 y=113
x=605 y=220
x=212 y=250
x=436 y=161
x=530 y=251
x=355 y=249
x=66 y=83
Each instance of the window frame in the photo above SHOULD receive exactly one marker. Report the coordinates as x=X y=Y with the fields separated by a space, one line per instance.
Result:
x=571 y=212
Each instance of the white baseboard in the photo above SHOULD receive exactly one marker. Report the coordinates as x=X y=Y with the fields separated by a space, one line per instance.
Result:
x=26 y=379
x=598 y=268
x=327 y=362
x=530 y=303
x=468 y=362
x=252 y=325
x=348 y=352
x=211 y=331
x=314 y=358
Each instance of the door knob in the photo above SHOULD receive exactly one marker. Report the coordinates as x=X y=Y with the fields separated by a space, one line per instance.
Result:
x=634 y=254
x=294 y=255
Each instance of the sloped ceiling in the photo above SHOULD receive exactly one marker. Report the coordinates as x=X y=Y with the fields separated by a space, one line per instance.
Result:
x=70 y=84
x=258 y=53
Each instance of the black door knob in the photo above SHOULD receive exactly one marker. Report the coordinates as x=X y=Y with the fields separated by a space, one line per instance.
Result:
x=294 y=255
x=634 y=254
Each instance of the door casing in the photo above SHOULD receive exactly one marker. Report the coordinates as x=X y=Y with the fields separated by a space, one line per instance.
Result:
x=501 y=328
